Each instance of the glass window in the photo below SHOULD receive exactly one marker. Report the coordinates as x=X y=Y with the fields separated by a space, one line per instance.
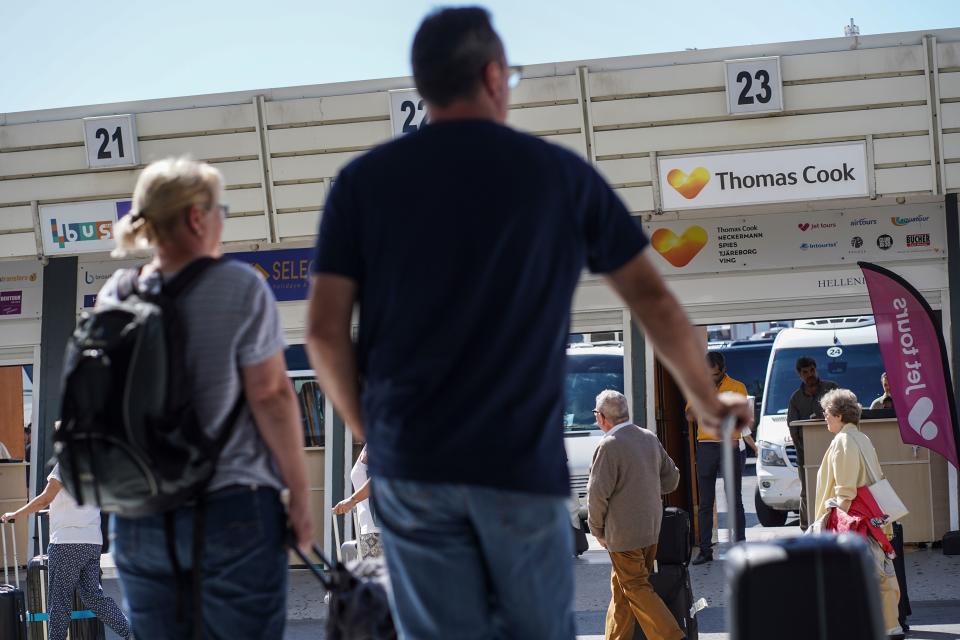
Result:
x=309 y=396
x=590 y=370
x=855 y=367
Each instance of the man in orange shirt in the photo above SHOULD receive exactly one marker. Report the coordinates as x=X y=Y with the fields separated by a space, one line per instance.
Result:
x=709 y=459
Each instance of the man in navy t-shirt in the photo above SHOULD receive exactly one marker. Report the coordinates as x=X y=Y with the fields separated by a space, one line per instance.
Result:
x=463 y=243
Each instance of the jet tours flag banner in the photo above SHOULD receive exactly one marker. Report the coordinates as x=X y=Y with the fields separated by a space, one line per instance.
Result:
x=915 y=358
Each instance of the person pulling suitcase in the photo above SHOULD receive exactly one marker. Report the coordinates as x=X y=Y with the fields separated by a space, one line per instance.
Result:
x=629 y=473
x=73 y=559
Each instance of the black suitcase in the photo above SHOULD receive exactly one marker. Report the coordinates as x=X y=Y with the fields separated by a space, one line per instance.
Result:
x=951 y=543
x=672 y=584
x=580 y=544
x=13 y=606
x=901 y=567
x=822 y=587
x=674 y=546
x=84 y=625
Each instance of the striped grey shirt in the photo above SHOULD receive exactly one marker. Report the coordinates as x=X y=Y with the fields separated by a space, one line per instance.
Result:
x=232 y=322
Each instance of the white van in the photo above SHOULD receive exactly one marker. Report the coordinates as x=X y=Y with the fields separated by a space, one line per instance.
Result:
x=591 y=368
x=846 y=352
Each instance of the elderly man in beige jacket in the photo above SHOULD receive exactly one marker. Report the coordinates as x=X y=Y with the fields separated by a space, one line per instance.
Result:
x=629 y=473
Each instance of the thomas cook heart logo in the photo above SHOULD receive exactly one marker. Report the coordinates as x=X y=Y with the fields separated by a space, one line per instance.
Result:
x=679 y=250
x=689 y=185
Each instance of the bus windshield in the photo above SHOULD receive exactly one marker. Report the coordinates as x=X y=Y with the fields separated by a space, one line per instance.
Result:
x=588 y=375
x=855 y=367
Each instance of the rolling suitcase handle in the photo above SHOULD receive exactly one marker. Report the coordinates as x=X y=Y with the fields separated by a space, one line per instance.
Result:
x=16 y=561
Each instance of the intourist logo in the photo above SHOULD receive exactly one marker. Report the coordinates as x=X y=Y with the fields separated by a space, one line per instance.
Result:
x=805 y=246
x=902 y=222
x=80 y=231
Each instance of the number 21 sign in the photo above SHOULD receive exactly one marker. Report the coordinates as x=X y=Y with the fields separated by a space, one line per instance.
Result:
x=408 y=111
x=754 y=85
x=111 y=141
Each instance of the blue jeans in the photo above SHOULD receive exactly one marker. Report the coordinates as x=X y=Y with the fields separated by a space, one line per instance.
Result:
x=244 y=568
x=471 y=562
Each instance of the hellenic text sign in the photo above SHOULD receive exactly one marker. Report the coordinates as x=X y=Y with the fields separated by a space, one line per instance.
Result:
x=765 y=176
x=798 y=240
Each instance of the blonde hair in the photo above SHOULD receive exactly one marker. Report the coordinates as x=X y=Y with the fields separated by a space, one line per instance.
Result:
x=165 y=189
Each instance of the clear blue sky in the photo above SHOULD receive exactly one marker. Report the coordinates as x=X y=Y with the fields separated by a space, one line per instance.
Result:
x=59 y=53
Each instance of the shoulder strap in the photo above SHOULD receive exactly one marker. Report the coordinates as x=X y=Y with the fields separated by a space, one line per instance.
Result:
x=873 y=479
x=188 y=276
x=127 y=283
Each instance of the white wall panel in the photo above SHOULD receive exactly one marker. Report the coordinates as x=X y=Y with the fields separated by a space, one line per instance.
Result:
x=292 y=225
x=950 y=115
x=776 y=131
x=295 y=196
x=15 y=218
x=906 y=179
x=553 y=118
x=229 y=145
x=575 y=142
x=837 y=64
x=246 y=228
x=682 y=107
x=551 y=89
x=364 y=105
x=321 y=165
x=637 y=198
x=949 y=85
x=159 y=123
x=243 y=200
x=626 y=170
x=951 y=146
x=240 y=172
x=73 y=187
x=948 y=54
x=656 y=79
x=953 y=176
x=41 y=133
x=17 y=244
x=19 y=163
x=335 y=136
x=908 y=149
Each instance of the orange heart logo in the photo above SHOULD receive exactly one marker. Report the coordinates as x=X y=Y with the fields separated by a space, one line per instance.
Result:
x=689 y=185
x=679 y=250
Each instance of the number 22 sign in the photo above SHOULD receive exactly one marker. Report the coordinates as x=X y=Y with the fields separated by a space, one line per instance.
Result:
x=408 y=111
x=754 y=85
x=111 y=141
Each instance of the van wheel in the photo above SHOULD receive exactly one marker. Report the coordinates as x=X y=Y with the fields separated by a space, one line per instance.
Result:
x=768 y=516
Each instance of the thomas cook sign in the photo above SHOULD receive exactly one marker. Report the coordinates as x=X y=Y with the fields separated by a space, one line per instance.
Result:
x=764 y=176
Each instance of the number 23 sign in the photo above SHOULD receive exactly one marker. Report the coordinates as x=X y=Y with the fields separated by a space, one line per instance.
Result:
x=408 y=111
x=754 y=85
x=111 y=141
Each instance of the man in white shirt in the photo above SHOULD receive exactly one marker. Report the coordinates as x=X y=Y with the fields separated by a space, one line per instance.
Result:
x=73 y=559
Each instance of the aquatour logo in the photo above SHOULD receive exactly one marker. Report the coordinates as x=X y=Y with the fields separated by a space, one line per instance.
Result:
x=80 y=231
x=902 y=222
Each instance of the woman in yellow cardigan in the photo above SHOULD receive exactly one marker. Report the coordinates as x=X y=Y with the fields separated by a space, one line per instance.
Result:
x=849 y=463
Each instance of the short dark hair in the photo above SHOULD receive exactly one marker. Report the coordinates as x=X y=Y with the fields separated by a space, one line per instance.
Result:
x=716 y=359
x=805 y=361
x=450 y=50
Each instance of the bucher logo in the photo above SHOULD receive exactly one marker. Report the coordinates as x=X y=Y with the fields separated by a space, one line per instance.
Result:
x=902 y=222
x=689 y=185
x=679 y=250
x=918 y=240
